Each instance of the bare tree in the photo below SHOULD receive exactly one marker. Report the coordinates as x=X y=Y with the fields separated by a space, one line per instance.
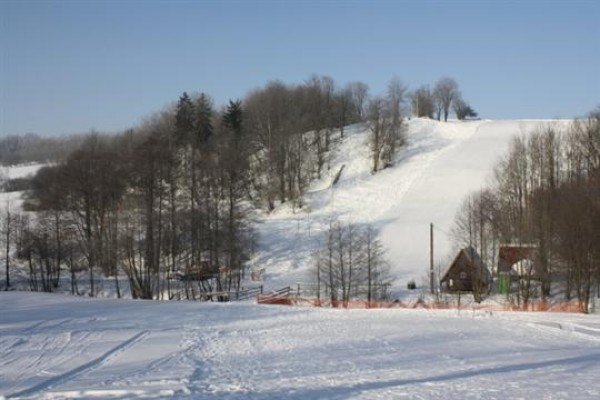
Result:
x=386 y=125
x=360 y=95
x=396 y=92
x=7 y=229
x=353 y=264
x=445 y=91
x=422 y=102
x=462 y=109
x=378 y=121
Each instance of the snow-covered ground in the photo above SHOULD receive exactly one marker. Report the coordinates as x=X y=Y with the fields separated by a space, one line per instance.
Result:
x=57 y=346
x=14 y=199
x=20 y=170
x=443 y=162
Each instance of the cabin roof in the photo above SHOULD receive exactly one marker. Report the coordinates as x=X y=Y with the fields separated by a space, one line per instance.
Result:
x=472 y=257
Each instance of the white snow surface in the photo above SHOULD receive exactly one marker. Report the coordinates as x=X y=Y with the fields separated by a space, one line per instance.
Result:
x=20 y=170
x=54 y=346
x=442 y=163
x=14 y=200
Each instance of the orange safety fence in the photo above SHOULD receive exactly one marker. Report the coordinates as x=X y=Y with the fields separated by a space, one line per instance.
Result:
x=566 y=307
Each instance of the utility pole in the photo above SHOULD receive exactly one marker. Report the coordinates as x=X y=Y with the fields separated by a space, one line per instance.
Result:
x=418 y=113
x=431 y=257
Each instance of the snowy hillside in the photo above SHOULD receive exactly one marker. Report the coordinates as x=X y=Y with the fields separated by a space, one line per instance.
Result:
x=20 y=171
x=58 y=347
x=441 y=165
x=14 y=199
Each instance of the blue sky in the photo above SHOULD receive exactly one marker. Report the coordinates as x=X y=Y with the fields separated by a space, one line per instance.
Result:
x=72 y=66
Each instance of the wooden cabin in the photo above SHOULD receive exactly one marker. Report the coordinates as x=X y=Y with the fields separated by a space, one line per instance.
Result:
x=466 y=270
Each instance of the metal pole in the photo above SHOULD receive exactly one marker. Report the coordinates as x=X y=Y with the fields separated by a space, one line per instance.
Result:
x=431 y=257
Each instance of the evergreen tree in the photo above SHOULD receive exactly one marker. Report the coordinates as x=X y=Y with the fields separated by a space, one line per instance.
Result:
x=232 y=118
x=463 y=109
x=203 y=126
x=184 y=118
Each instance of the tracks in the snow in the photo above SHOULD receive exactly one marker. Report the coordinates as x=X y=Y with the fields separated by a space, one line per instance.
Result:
x=84 y=368
x=589 y=332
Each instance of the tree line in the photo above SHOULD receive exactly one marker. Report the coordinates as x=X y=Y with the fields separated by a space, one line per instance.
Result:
x=19 y=149
x=545 y=193
x=439 y=101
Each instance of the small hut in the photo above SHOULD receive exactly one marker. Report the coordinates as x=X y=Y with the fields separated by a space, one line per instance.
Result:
x=466 y=273
x=518 y=260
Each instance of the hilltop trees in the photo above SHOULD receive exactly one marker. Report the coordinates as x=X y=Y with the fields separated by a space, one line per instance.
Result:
x=233 y=116
x=378 y=121
x=444 y=97
x=360 y=94
x=384 y=116
x=396 y=93
x=463 y=109
x=291 y=128
x=445 y=92
x=203 y=120
x=422 y=102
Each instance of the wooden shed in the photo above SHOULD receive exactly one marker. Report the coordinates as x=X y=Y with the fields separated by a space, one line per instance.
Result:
x=466 y=271
x=518 y=260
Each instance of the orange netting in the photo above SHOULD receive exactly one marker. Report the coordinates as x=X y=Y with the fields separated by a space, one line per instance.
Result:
x=567 y=307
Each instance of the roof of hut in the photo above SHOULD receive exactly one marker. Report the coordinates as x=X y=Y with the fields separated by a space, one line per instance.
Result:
x=472 y=256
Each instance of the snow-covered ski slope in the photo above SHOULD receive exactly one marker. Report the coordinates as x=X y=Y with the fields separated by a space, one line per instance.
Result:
x=57 y=347
x=443 y=162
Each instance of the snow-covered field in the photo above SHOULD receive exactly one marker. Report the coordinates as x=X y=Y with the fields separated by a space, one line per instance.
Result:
x=57 y=346
x=444 y=161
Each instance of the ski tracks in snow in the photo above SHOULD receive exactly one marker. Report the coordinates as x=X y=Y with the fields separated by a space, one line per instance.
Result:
x=80 y=370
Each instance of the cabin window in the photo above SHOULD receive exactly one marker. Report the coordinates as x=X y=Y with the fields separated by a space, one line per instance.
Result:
x=463 y=275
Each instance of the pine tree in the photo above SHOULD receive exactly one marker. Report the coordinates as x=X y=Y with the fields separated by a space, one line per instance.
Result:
x=203 y=127
x=233 y=117
x=184 y=119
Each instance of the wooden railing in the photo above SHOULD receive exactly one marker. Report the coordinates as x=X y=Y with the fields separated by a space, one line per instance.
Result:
x=275 y=296
x=244 y=294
